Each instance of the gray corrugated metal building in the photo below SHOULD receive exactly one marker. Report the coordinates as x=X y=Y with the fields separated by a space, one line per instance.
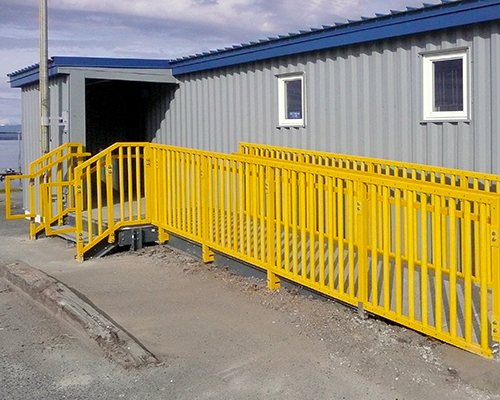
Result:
x=421 y=85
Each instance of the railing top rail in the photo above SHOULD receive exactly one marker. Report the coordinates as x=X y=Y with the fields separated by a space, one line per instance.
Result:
x=45 y=157
x=373 y=161
x=347 y=174
x=53 y=164
x=109 y=150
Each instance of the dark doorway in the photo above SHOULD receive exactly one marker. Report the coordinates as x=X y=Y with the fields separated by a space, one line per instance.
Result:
x=117 y=111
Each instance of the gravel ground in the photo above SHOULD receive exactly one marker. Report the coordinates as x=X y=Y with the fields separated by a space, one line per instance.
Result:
x=376 y=349
x=352 y=358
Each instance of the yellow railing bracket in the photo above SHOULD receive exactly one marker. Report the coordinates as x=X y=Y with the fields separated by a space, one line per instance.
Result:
x=207 y=255
x=495 y=331
x=494 y=237
x=163 y=236
x=273 y=281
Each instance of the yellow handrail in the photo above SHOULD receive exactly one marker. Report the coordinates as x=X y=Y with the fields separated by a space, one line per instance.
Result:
x=110 y=193
x=54 y=155
x=55 y=167
x=418 y=172
x=413 y=251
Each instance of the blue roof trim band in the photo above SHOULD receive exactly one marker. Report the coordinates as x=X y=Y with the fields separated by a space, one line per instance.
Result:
x=97 y=62
x=434 y=17
x=28 y=75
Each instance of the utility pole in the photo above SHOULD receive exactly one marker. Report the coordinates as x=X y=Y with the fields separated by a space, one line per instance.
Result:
x=44 y=80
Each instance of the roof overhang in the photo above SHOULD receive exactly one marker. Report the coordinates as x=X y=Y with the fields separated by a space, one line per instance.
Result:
x=138 y=70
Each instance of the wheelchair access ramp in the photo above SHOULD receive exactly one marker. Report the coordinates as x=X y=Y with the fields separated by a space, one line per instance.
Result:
x=417 y=245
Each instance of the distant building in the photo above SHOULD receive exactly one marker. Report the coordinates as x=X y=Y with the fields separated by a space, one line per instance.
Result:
x=10 y=132
x=10 y=151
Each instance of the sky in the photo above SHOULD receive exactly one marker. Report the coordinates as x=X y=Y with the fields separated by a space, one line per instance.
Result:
x=158 y=29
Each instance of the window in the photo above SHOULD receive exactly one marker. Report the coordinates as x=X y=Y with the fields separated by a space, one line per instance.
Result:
x=446 y=86
x=291 y=100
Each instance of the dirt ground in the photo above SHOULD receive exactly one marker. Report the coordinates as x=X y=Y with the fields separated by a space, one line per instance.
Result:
x=376 y=349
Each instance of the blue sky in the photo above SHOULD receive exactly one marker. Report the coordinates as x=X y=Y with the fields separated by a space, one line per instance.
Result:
x=156 y=28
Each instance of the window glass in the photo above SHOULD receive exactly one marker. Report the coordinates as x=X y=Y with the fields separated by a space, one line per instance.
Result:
x=448 y=85
x=294 y=99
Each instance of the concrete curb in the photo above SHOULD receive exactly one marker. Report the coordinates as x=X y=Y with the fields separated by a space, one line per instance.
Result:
x=117 y=344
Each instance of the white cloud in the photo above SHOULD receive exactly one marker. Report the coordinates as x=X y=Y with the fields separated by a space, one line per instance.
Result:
x=259 y=16
x=156 y=28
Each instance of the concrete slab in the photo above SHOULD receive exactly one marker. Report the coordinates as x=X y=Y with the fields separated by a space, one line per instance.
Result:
x=116 y=343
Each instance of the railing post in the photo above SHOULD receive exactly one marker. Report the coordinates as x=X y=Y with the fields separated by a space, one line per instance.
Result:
x=46 y=207
x=206 y=253
x=149 y=187
x=362 y=248
x=79 y=215
x=157 y=183
x=8 y=195
x=109 y=196
x=151 y=179
x=32 y=200
x=495 y=272
x=273 y=280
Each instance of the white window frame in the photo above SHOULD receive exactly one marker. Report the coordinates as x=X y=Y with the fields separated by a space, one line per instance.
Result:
x=428 y=82
x=282 y=98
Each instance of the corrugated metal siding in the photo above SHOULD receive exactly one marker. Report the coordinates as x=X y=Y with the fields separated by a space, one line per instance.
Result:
x=31 y=132
x=31 y=116
x=59 y=107
x=364 y=100
x=31 y=149
x=30 y=125
x=495 y=98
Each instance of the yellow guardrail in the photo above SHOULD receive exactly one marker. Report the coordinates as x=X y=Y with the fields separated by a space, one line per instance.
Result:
x=54 y=168
x=459 y=229
x=179 y=193
x=110 y=193
x=417 y=172
x=417 y=245
x=422 y=254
